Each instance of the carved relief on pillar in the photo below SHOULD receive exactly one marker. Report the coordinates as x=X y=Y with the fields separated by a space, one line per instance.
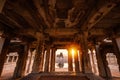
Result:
x=38 y=58
x=86 y=66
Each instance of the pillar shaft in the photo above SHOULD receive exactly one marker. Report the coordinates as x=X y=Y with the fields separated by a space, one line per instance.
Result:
x=116 y=50
x=22 y=61
x=105 y=62
x=93 y=61
x=37 y=60
x=70 y=65
x=86 y=66
x=42 y=60
x=4 y=53
x=80 y=63
x=101 y=68
x=46 y=68
x=30 y=61
x=52 y=67
x=77 y=69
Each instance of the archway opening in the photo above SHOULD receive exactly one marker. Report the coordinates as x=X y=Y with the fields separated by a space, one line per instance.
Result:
x=9 y=65
x=61 y=60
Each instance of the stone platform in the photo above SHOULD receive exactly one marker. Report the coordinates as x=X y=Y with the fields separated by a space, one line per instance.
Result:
x=61 y=76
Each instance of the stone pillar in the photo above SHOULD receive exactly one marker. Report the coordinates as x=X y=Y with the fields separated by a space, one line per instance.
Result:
x=3 y=53
x=101 y=67
x=30 y=60
x=93 y=61
x=116 y=50
x=80 y=63
x=86 y=66
x=46 y=68
x=7 y=58
x=42 y=60
x=52 y=67
x=22 y=61
x=70 y=65
x=105 y=62
x=76 y=61
x=37 y=60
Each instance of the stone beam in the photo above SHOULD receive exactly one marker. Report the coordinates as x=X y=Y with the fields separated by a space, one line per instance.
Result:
x=97 y=16
x=97 y=32
x=61 y=43
x=61 y=31
x=42 y=12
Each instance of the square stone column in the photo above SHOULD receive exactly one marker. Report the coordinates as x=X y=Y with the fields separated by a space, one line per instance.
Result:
x=46 y=68
x=3 y=53
x=70 y=65
x=116 y=51
x=37 y=59
x=77 y=68
x=22 y=61
x=101 y=68
x=86 y=65
x=52 y=66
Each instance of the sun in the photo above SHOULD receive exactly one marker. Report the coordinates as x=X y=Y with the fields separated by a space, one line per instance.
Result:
x=72 y=51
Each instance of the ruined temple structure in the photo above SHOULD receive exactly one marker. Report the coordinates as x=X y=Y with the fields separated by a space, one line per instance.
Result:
x=39 y=27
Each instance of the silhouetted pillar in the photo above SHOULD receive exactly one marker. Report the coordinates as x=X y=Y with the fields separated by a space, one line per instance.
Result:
x=80 y=63
x=30 y=60
x=105 y=62
x=3 y=53
x=77 y=68
x=116 y=50
x=93 y=61
x=70 y=65
x=22 y=61
x=86 y=66
x=37 y=60
x=42 y=60
x=101 y=68
x=46 y=68
x=52 y=67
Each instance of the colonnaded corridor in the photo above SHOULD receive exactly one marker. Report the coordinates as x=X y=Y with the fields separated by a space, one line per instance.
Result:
x=59 y=39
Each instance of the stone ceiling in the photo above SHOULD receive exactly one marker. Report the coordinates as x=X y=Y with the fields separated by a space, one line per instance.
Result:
x=61 y=21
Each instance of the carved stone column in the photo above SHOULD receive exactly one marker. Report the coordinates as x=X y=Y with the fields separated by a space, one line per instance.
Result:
x=22 y=61
x=93 y=61
x=3 y=53
x=77 y=68
x=105 y=62
x=101 y=68
x=86 y=66
x=70 y=65
x=46 y=68
x=80 y=63
x=37 y=60
x=52 y=67
x=116 y=50
x=42 y=59
x=30 y=60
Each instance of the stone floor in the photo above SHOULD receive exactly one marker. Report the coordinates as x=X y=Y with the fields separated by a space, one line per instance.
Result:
x=8 y=72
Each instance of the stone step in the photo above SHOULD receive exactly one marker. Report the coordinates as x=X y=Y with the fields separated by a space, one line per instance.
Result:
x=61 y=76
